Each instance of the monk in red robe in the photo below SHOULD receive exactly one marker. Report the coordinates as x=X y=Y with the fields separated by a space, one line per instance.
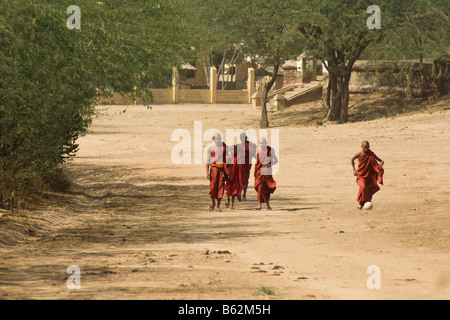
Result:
x=216 y=171
x=234 y=184
x=369 y=173
x=246 y=153
x=265 y=185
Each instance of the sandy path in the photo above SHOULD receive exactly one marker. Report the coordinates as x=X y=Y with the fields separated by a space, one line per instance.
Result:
x=153 y=237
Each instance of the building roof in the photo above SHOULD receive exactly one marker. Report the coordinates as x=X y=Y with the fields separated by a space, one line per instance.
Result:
x=188 y=66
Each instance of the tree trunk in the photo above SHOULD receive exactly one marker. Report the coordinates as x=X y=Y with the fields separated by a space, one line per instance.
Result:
x=221 y=69
x=440 y=77
x=264 y=123
x=343 y=117
x=332 y=88
x=229 y=67
x=340 y=95
x=328 y=98
x=206 y=70
x=336 y=93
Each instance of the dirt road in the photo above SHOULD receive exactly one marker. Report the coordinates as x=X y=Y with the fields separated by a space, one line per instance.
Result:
x=138 y=226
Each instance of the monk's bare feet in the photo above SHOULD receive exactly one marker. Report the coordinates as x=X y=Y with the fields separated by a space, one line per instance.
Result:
x=219 y=210
x=233 y=208
x=227 y=205
x=268 y=207
x=211 y=208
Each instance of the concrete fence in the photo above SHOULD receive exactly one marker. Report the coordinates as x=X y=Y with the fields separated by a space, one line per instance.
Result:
x=176 y=95
x=405 y=77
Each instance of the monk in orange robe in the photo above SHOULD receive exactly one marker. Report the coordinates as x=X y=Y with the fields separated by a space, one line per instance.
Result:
x=246 y=153
x=216 y=171
x=234 y=184
x=265 y=185
x=369 y=173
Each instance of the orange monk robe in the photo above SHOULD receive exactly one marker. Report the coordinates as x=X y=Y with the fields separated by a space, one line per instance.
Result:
x=265 y=185
x=246 y=152
x=369 y=174
x=234 y=183
x=219 y=171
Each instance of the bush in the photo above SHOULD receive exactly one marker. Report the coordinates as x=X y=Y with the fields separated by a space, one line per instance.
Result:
x=50 y=75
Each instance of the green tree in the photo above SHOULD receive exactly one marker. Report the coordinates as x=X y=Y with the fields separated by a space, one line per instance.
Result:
x=270 y=36
x=263 y=30
x=419 y=31
x=207 y=32
x=337 y=33
x=50 y=74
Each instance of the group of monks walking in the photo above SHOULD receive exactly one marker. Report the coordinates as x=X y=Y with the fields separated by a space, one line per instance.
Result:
x=228 y=169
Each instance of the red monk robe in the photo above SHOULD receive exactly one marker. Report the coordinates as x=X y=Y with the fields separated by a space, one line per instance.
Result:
x=246 y=152
x=234 y=183
x=369 y=174
x=219 y=171
x=265 y=185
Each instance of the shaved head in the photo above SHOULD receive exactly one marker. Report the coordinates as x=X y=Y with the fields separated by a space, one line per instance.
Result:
x=365 y=146
x=263 y=143
x=217 y=137
x=243 y=137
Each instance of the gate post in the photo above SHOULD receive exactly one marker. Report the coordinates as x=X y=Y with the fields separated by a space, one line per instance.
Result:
x=213 y=85
x=251 y=84
x=175 y=86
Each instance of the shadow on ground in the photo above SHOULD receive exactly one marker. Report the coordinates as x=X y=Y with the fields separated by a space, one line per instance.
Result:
x=116 y=206
x=362 y=107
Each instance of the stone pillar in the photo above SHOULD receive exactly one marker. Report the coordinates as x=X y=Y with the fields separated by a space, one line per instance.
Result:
x=256 y=100
x=309 y=72
x=213 y=85
x=280 y=102
x=304 y=73
x=251 y=84
x=175 y=86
